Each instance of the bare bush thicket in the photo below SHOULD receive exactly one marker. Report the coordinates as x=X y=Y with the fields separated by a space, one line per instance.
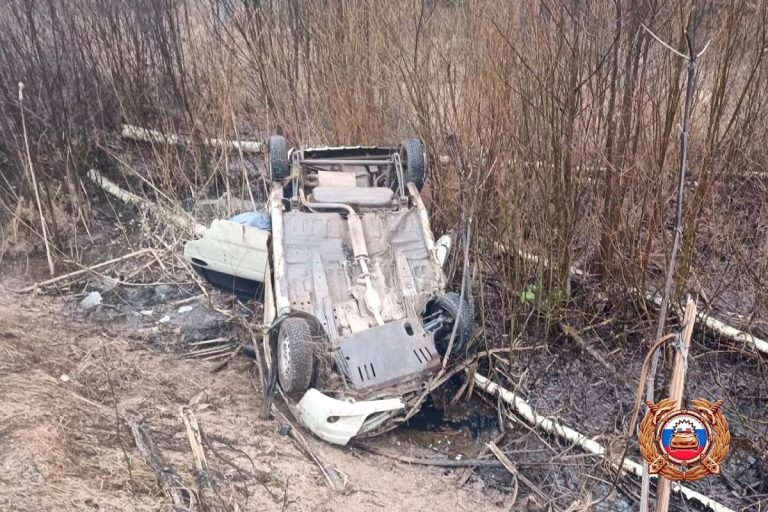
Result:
x=556 y=122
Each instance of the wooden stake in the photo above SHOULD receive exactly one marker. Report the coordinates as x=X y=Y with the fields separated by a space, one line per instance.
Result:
x=676 y=386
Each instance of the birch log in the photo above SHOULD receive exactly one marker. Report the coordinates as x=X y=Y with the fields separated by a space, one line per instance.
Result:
x=147 y=135
x=719 y=327
x=113 y=189
x=711 y=323
x=535 y=259
x=522 y=408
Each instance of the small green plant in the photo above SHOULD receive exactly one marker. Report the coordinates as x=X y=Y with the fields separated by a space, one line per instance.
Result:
x=528 y=295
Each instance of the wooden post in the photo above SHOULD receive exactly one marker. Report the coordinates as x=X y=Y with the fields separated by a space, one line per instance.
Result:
x=676 y=386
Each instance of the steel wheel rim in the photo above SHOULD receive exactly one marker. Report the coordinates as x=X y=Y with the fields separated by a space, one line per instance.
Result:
x=285 y=355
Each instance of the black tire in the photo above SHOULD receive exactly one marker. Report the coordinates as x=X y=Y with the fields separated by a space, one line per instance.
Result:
x=449 y=305
x=278 y=165
x=295 y=355
x=414 y=160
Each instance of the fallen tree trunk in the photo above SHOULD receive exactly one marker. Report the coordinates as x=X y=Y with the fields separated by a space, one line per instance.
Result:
x=719 y=327
x=535 y=259
x=147 y=135
x=708 y=322
x=113 y=189
x=522 y=408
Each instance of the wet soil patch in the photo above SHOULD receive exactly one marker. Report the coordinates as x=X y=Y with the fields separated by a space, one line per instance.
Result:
x=476 y=420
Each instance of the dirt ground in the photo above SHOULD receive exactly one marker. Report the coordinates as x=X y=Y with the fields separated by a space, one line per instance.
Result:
x=67 y=387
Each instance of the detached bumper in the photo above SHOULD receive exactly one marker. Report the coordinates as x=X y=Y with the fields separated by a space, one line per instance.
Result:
x=338 y=421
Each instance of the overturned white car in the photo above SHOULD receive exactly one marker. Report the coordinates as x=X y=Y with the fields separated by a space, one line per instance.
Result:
x=352 y=282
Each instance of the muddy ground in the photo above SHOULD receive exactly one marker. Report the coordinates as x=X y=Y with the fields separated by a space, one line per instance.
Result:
x=73 y=380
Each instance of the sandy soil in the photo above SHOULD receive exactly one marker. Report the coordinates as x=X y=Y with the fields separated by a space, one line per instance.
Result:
x=67 y=387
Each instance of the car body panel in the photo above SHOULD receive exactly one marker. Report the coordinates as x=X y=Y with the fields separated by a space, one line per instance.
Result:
x=234 y=257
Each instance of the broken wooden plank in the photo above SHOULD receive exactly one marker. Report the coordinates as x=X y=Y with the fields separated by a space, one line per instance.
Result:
x=676 y=386
x=195 y=437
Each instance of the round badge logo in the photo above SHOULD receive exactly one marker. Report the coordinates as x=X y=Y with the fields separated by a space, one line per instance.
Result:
x=684 y=437
x=679 y=444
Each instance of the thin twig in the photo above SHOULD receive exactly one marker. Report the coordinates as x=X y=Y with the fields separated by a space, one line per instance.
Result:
x=82 y=271
x=335 y=480
x=169 y=480
x=516 y=472
x=464 y=478
x=229 y=358
x=43 y=224
x=575 y=336
x=118 y=430
x=431 y=461
x=665 y=45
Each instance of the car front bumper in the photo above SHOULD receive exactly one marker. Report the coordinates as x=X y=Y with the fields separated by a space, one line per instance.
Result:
x=338 y=421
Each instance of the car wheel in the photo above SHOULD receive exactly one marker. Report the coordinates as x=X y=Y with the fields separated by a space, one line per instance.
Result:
x=414 y=160
x=278 y=164
x=440 y=316
x=295 y=355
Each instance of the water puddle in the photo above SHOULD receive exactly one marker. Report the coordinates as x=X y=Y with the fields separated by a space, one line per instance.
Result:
x=460 y=433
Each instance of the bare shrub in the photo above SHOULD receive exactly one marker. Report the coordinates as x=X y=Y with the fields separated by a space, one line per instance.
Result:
x=555 y=122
